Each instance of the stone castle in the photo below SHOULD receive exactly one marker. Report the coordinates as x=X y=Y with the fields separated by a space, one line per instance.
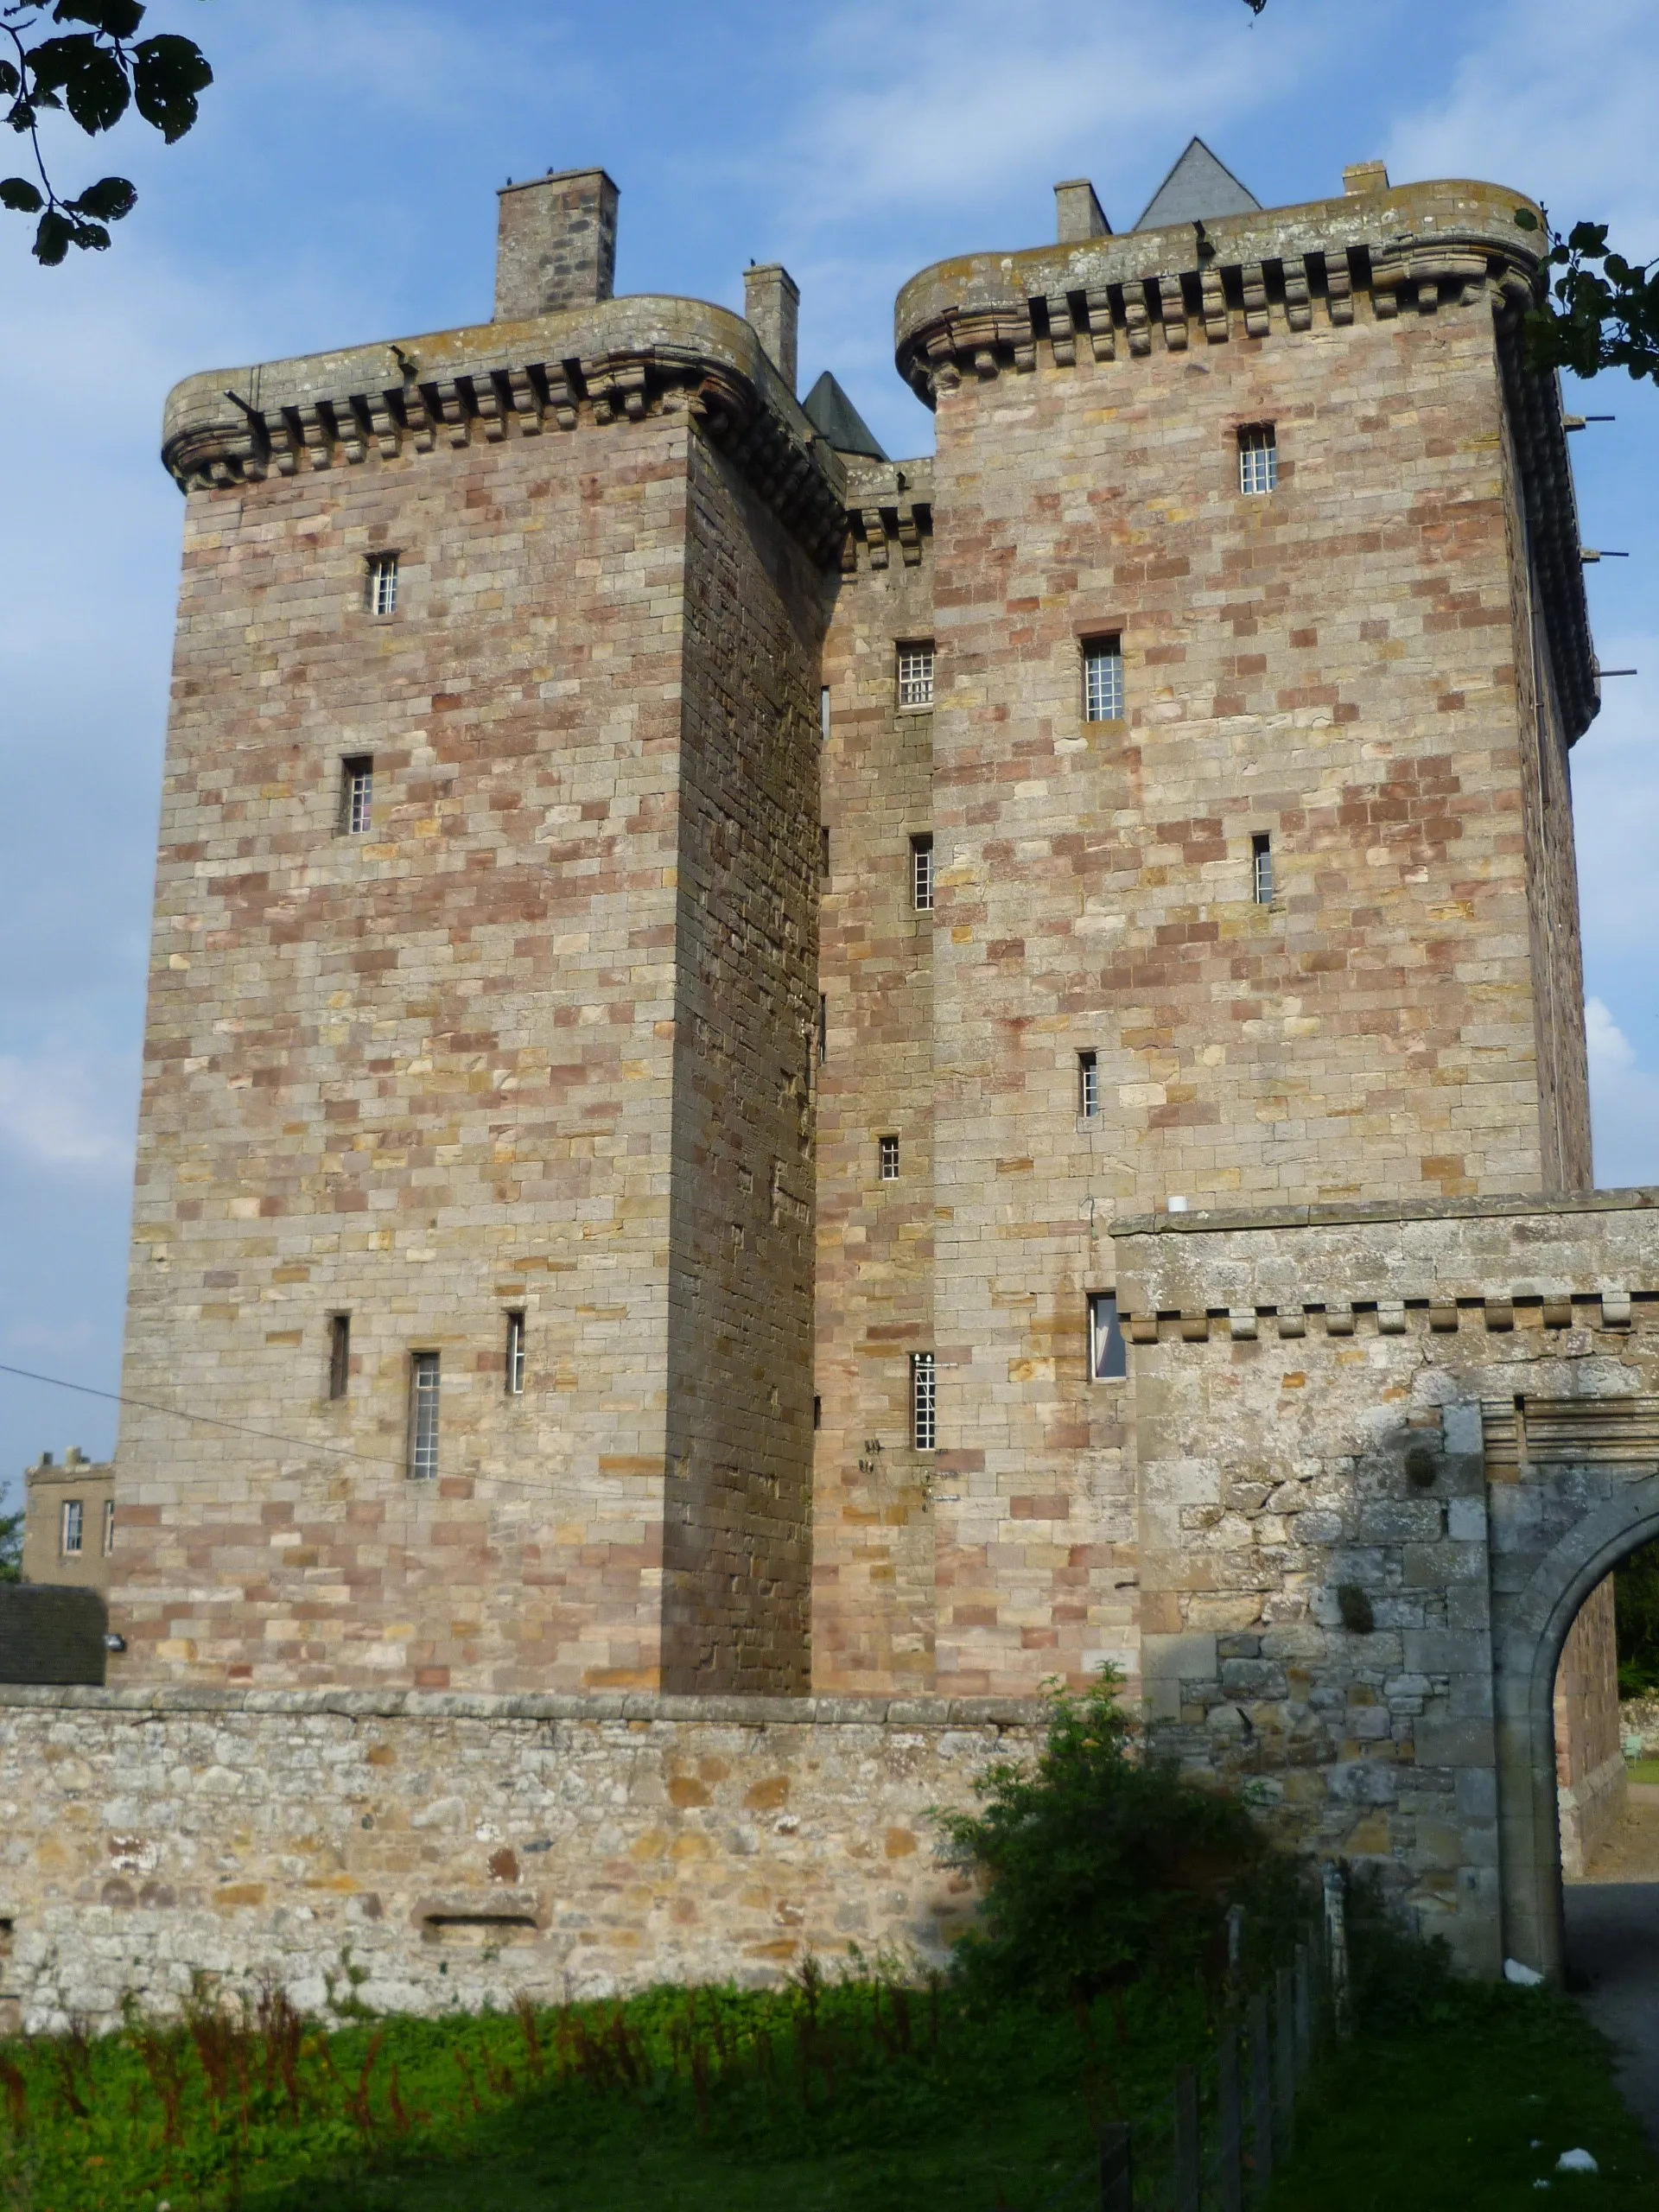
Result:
x=788 y=1093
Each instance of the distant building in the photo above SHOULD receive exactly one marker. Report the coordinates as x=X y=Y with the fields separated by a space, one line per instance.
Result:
x=69 y=1522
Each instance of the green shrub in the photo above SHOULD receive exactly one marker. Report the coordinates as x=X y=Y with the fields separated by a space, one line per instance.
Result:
x=1103 y=1867
x=1636 y=1604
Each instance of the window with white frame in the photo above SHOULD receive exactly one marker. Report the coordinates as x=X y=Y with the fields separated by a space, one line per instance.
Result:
x=915 y=676
x=383 y=583
x=1089 y=1085
x=515 y=1355
x=1262 y=869
x=423 y=1415
x=74 y=1515
x=109 y=1527
x=1103 y=679
x=923 y=1402
x=1108 y=1357
x=1258 y=458
x=921 y=872
x=887 y=1156
x=356 y=795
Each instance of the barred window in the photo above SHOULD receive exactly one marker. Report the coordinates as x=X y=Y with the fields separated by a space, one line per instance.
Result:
x=1109 y=1359
x=915 y=676
x=921 y=873
x=340 y=1354
x=109 y=1527
x=356 y=795
x=888 y=1152
x=1088 y=1084
x=383 y=583
x=1103 y=679
x=923 y=1402
x=72 y=1516
x=1262 y=870
x=515 y=1355
x=423 y=1415
x=1258 y=458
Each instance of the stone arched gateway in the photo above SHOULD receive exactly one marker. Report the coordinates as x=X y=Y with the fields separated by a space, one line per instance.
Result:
x=1382 y=1458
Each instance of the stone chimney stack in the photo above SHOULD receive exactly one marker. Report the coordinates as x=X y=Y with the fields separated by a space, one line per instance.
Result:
x=556 y=244
x=1079 y=215
x=771 y=300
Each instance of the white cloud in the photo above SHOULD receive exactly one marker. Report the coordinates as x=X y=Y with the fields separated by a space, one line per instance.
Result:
x=68 y=1111
x=1624 y=1105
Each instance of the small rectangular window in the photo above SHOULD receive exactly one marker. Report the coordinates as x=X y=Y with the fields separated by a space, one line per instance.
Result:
x=823 y=714
x=921 y=873
x=1262 y=870
x=923 y=1402
x=423 y=1415
x=823 y=854
x=109 y=1527
x=340 y=1354
x=515 y=1355
x=1103 y=679
x=817 y=1413
x=1258 y=458
x=823 y=1029
x=1109 y=1359
x=915 y=676
x=888 y=1152
x=1088 y=1084
x=71 y=1523
x=383 y=583
x=356 y=794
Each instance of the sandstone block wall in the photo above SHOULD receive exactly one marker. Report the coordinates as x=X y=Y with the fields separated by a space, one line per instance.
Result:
x=1589 y=1756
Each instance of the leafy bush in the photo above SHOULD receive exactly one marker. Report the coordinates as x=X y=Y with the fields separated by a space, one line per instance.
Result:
x=1103 y=1867
x=11 y=1546
x=1636 y=1603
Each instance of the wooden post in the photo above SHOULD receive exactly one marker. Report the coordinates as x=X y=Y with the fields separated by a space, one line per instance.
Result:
x=1116 y=2170
x=1188 y=2165
x=1260 y=2095
x=1229 y=2132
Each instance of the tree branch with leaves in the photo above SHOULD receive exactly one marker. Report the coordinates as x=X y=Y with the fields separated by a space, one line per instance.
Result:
x=93 y=75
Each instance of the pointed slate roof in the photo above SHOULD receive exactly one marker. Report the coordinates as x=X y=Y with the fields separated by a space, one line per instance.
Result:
x=838 y=422
x=1197 y=190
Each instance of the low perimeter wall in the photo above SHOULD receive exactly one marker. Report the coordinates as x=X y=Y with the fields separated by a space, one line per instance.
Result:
x=440 y=1851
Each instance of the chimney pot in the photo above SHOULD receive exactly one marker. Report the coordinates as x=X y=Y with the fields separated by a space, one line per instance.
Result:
x=1079 y=216
x=772 y=302
x=555 y=247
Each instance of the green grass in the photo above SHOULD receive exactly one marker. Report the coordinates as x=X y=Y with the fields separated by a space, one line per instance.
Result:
x=1642 y=1770
x=1444 y=2117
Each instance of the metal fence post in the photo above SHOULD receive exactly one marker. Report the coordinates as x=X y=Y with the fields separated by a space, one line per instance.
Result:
x=1285 y=2043
x=1188 y=2168
x=1116 y=2170
x=1230 y=2143
x=1260 y=2095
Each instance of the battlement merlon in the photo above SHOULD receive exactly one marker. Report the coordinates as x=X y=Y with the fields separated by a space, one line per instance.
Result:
x=615 y=360
x=1107 y=298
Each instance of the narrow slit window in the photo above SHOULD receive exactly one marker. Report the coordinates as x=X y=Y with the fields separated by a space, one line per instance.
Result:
x=823 y=854
x=921 y=873
x=356 y=795
x=1258 y=458
x=923 y=1402
x=915 y=677
x=423 y=1416
x=1108 y=1357
x=383 y=583
x=817 y=1412
x=1262 y=870
x=888 y=1155
x=1089 y=1085
x=823 y=714
x=109 y=1527
x=1103 y=679
x=340 y=1354
x=74 y=1515
x=823 y=1029
x=515 y=1355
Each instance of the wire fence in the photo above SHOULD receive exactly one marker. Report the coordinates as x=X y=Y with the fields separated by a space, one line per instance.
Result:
x=1230 y=2121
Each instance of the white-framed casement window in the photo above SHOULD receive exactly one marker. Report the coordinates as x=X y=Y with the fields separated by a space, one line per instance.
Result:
x=921 y=872
x=1262 y=869
x=340 y=1354
x=109 y=1527
x=923 y=1402
x=1108 y=1356
x=1103 y=679
x=515 y=1355
x=915 y=677
x=383 y=583
x=356 y=794
x=1258 y=458
x=73 y=1520
x=887 y=1159
x=1089 y=1085
x=423 y=1415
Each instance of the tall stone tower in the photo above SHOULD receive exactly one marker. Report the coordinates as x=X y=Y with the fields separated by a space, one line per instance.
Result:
x=677 y=934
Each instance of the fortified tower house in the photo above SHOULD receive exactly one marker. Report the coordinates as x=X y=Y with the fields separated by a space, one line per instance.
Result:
x=474 y=1178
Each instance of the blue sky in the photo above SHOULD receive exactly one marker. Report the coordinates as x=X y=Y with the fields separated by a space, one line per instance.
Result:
x=342 y=186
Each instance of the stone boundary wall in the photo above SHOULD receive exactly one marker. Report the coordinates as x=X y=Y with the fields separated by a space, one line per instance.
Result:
x=446 y=1850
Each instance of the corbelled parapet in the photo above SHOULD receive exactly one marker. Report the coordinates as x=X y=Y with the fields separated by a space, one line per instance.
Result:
x=889 y=505
x=1375 y=254
x=617 y=361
